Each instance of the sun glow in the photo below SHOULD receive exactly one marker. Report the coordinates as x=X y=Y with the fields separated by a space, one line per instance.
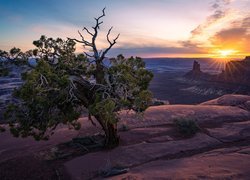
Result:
x=226 y=53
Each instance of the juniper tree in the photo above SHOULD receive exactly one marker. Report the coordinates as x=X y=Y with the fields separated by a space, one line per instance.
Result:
x=63 y=83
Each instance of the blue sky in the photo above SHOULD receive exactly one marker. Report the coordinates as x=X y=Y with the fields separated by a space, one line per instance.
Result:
x=148 y=28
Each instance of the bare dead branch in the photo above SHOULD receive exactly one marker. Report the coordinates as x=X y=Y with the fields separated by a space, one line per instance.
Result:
x=100 y=52
x=109 y=34
x=111 y=44
x=86 y=43
x=88 y=55
x=96 y=28
x=98 y=56
x=43 y=81
x=87 y=31
x=75 y=40
x=103 y=14
x=81 y=36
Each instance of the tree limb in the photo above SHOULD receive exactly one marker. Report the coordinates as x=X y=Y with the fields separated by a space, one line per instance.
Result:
x=87 y=31
x=97 y=26
x=111 y=44
x=98 y=56
x=88 y=55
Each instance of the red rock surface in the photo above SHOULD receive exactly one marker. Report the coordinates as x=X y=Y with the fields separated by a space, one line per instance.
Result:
x=211 y=165
x=150 y=147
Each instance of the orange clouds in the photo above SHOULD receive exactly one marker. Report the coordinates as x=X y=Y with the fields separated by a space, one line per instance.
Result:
x=236 y=37
x=226 y=30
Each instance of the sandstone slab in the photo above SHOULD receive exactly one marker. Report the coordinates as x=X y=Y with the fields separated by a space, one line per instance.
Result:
x=139 y=135
x=203 y=114
x=231 y=132
x=128 y=156
x=219 y=164
x=229 y=100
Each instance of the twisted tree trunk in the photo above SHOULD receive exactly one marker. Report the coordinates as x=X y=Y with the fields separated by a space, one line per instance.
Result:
x=111 y=136
x=85 y=92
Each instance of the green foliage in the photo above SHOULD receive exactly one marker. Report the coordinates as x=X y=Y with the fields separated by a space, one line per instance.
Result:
x=15 y=52
x=3 y=53
x=104 y=108
x=45 y=102
x=46 y=98
x=49 y=48
x=130 y=81
x=142 y=100
x=186 y=126
x=55 y=91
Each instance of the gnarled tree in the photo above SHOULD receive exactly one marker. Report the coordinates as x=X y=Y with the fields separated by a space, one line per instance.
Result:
x=62 y=83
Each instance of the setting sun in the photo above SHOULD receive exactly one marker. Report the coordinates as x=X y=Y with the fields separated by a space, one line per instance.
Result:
x=134 y=89
x=226 y=53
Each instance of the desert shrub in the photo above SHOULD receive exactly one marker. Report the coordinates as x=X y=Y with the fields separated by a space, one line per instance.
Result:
x=186 y=126
x=124 y=127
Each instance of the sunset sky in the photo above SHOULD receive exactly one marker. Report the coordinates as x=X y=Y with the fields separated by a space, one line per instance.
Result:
x=148 y=28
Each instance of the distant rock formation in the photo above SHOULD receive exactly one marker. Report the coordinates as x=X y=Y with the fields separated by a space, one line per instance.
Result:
x=236 y=72
x=196 y=67
x=196 y=72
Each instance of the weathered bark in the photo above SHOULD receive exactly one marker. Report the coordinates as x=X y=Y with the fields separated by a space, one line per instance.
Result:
x=99 y=74
x=86 y=93
x=111 y=136
x=83 y=91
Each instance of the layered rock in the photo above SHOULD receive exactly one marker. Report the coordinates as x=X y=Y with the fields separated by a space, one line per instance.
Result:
x=150 y=147
x=151 y=151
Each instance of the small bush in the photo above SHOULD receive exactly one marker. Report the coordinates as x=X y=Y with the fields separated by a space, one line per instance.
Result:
x=124 y=127
x=186 y=126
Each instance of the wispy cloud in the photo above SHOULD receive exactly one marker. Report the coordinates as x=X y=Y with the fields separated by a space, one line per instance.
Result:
x=220 y=11
x=198 y=39
x=236 y=37
x=221 y=30
x=148 y=28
